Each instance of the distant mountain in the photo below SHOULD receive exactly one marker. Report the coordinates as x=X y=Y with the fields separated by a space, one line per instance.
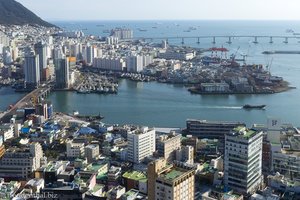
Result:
x=14 y=13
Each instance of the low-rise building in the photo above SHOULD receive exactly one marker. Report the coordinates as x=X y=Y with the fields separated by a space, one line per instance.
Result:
x=135 y=180
x=21 y=162
x=75 y=150
x=283 y=184
x=91 y=152
x=116 y=192
x=166 y=145
x=8 y=189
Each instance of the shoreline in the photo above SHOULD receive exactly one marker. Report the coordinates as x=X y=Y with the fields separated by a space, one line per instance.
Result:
x=283 y=88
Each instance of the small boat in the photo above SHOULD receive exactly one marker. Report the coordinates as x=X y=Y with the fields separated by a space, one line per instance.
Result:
x=247 y=106
x=143 y=30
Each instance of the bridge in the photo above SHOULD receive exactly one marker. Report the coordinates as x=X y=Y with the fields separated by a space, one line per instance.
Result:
x=214 y=38
x=32 y=98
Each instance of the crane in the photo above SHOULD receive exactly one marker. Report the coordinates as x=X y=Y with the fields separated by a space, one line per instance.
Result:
x=234 y=55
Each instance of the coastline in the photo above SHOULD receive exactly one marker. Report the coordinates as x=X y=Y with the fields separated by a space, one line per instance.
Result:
x=283 y=88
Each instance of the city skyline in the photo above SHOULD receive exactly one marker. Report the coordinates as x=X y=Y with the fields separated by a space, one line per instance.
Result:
x=158 y=10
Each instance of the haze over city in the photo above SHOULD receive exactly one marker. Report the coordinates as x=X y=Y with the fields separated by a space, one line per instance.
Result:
x=165 y=10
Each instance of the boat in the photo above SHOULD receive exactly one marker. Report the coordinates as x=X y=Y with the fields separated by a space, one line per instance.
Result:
x=247 y=106
x=143 y=30
x=83 y=90
x=106 y=31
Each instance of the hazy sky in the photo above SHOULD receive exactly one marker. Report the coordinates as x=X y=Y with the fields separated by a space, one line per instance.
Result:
x=164 y=9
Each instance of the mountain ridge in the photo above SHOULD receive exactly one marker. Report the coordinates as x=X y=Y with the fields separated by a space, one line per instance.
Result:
x=14 y=13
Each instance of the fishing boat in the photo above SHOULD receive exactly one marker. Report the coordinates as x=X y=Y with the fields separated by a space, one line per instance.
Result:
x=247 y=106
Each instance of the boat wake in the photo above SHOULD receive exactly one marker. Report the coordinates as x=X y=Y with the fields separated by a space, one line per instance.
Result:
x=223 y=107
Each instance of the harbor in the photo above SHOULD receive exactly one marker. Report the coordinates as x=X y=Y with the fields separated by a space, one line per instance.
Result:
x=94 y=83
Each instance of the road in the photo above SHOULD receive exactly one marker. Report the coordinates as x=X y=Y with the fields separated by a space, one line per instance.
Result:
x=23 y=102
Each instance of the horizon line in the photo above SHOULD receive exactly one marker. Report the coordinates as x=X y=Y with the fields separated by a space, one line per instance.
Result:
x=63 y=20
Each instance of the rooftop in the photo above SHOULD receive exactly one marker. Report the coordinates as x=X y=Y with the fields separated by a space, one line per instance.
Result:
x=95 y=166
x=136 y=175
x=131 y=193
x=172 y=174
x=244 y=132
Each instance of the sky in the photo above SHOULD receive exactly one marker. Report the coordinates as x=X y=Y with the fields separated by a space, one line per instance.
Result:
x=164 y=9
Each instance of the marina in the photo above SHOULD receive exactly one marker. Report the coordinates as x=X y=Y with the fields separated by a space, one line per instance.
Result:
x=93 y=83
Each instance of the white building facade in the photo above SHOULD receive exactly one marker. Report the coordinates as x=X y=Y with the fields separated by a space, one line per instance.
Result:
x=141 y=144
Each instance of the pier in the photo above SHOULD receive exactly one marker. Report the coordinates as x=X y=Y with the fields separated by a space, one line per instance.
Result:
x=228 y=38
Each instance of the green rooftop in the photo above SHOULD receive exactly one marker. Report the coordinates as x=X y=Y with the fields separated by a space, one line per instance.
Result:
x=245 y=132
x=97 y=187
x=135 y=175
x=173 y=174
x=95 y=166
x=102 y=176
x=131 y=192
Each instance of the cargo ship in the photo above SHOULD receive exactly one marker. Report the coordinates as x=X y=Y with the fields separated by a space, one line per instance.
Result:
x=247 y=106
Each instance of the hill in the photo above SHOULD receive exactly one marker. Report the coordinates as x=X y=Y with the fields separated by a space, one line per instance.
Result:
x=14 y=13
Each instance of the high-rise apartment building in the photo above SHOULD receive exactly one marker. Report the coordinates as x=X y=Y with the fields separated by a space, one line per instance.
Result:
x=141 y=144
x=62 y=73
x=90 y=53
x=41 y=50
x=122 y=33
x=243 y=160
x=110 y=63
x=31 y=69
x=134 y=63
x=170 y=182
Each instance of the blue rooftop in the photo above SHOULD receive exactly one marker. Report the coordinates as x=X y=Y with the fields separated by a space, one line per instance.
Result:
x=86 y=130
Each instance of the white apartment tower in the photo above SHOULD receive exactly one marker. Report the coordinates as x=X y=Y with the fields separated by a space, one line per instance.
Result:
x=141 y=143
x=243 y=160
x=135 y=63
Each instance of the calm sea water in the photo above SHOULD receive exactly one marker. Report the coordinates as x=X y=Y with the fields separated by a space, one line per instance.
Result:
x=156 y=104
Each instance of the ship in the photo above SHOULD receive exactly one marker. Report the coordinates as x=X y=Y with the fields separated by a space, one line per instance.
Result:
x=247 y=106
